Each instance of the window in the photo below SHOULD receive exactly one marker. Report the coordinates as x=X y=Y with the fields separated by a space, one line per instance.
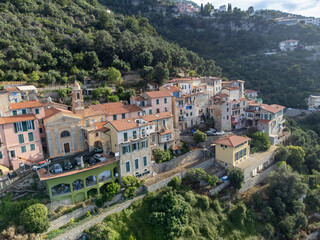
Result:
x=32 y=147
x=128 y=166
x=158 y=110
x=14 y=113
x=87 y=123
x=30 y=125
x=227 y=117
x=23 y=149
x=157 y=101
x=21 y=139
x=30 y=136
x=134 y=134
x=240 y=154
x=65 y=134
x=24 y=111
x=125 y=136
x=101 y=119
x=125 y=149
x=114 y=117
x=78 y=95
x=123 y=115
x=245 y=152
x=1 y=155
x=97 y=134
x=18 y=127
x=144 y=144
x=145 y=162
x=165 y=100
x=143 y=132
x=190 y=113
x=180 y=111
x=134 y=147
x=37 y=110
x=236 y=156
x=227 y=109
x=136 y=163
x=144 y=112
x=150 y=111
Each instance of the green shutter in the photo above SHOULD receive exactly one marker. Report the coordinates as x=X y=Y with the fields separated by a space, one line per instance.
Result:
x=24 y=111
x=32 y=147
x=24 y=126
x=32 y=124
x=15 y=127
x=123 y=150
x=146 y=143
x=138 y=145
x=129 y=148
x=14 y=113
x=21 y=139
x=30 y=136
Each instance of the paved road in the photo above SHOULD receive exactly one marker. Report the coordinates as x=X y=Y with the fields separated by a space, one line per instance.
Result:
x=76 y=232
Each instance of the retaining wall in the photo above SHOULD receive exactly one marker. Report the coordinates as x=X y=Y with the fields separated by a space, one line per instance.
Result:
x=219 y=188
x=183 y=159
x=258 y=179
x=163 y=183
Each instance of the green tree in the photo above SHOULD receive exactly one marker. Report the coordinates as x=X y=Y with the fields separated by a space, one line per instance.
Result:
x=296 y=157
x=147 y=73
x=35 y=218
x=160 y=155
x=161 y=72
x=236 y=178
x=114 y=75
x=260 y=142
x=199 y=136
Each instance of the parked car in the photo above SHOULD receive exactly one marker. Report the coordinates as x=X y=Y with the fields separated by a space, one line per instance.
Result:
x=219 y=133
x=57 y=168
x=78 y=160
x=209 y=133
x=40 y=165
x=99 y=158
x=91 y=161
x=98 y=150
x=212 y=130
x=67 y=165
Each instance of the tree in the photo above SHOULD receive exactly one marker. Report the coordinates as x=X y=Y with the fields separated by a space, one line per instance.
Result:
x=286 y=227
x=312 y=201
x=34 y=76
x=296 y=157
x=90 y=60
x=112 y=190
x=236 y=177
x=260 y=142
x=250 y=10
x=229 y=7
x=199 y=136
x=147 y=73
x=160 y=155
x=161 y=72
x=114 y=75
x=192 y=73
x=35 y=218
x=281 y=154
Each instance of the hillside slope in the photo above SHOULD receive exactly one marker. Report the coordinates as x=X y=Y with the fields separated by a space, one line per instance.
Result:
x=237 y=43
x=47 y=41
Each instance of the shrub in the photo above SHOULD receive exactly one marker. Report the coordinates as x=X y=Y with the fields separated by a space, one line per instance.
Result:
x=190 y=198
x=188 y=232
x=215 y=205
x=199 y=136
x=71 y=220
x=35 y=218
x=112 y=190
x=260 y=142
x=129 y=192
x=203 y=202
x=101 y=231
x=88 y=214
x=175 y=182
x=236 y=178
x=160 y=155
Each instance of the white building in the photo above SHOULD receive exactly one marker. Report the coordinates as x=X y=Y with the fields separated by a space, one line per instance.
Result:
x=313 y=102
x=288 y=45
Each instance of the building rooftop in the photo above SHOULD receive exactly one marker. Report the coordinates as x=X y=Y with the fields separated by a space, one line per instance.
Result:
x=232 y=88
x=27 y=88
x=44 y=175
x=158 y=94
x=250 y=91
x=100 y=125
x=53 y=111
x=165 y=132
x=114 y=108
x=129 y=123
x=184 y=79
x=232 y=140
x=11 y=89
x=157 y=116
x=173 y=89
x=264 y=121
x=26 y=104
x=138 y=98
x=272 y=108
x=17 y=118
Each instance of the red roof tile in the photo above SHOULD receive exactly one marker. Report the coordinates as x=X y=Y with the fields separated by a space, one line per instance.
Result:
x=165 y=132
x=173 y=89
x=129 y=123
x=232 y=140
x=17 y=118
x=157 y=116
x=158 y=94
x=26 y=104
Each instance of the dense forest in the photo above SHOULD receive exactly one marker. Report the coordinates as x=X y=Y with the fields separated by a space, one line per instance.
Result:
x=237 y=42
x=47 y=41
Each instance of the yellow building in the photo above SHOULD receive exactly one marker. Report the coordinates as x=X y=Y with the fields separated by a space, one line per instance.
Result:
x=232 y=150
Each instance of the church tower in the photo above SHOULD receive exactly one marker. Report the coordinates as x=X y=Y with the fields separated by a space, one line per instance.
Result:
x=77 y=99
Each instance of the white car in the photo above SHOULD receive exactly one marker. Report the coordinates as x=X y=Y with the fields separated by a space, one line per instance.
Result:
x=219 y=133
x=212 y=130
x=57 y=168
x=99 y=158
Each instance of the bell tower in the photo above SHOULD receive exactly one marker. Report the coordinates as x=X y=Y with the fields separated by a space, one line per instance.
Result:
x=77 y=99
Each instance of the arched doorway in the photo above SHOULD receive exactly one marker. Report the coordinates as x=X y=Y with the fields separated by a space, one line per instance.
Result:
x=97 y=144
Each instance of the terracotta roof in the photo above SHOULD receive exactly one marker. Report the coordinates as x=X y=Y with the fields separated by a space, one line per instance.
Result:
x=88 y=112
x=12 y=89
x=223 y=95
x=53 y=111
x=157 y=116
x=165 y=132
x=158 y=94
x=115 y=108
x=138 y=98
x=272 y=108
x=55 y=105
x=242 y=99
x=100 y=125
x=183 y=79
x=173 y=89
x=263 y=121
x=232 y=140
x=17 y=118
x=129 y=123
x=232 y=88
x=249 y=91
x=26 y=104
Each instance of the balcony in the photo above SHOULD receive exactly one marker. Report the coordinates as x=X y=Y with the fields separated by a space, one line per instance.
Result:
x=132 y=139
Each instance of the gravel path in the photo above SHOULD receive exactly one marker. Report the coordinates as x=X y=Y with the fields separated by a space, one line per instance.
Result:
x=76 y=232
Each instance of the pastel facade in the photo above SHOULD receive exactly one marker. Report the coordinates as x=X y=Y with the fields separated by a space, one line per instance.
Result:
x=313 y=102
x=20 y=140
x=288 y=45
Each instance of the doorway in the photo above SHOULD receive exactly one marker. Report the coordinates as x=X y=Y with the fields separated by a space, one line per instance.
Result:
x=66 y=147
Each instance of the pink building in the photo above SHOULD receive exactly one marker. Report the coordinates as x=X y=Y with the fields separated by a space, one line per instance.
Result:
x=20 y=140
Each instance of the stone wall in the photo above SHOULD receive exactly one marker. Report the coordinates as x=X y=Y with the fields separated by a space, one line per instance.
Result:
x=219 y=188
x=258 y=178
x=296 y=112
x=55 y=205
x=163 y=183
x=183 y=159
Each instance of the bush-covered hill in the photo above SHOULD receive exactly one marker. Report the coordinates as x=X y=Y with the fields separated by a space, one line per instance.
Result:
x=237 y=42
x=48 y=40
